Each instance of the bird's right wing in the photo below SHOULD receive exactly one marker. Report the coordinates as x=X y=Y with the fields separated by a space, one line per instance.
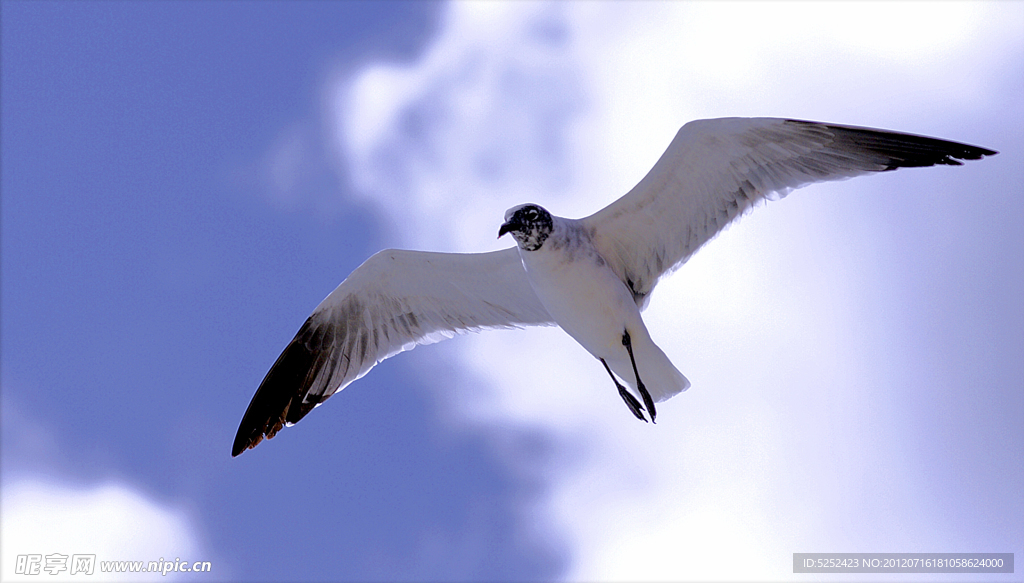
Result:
x=392 y=302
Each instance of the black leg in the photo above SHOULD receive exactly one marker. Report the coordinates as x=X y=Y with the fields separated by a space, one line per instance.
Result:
x=630 y=400
x=639 y=384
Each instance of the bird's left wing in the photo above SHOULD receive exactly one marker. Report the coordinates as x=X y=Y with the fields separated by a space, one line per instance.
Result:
x=716 y=169
x=392 y=302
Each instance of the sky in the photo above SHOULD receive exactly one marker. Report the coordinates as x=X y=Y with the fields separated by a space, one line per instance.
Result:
x=182 y=183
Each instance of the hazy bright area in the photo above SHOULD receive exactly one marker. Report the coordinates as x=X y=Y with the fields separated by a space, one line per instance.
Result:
x=182 y=183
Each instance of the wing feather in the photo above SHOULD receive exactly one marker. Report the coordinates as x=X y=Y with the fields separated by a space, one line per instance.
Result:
x=392 y=302
x=716 y=169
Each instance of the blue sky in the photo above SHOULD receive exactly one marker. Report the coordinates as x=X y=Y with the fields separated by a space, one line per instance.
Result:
x=183 y=182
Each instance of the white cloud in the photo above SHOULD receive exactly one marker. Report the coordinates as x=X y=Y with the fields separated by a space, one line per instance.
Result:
x=799 y=433
x=44 y=514
x=482 y=117
x=111 y=521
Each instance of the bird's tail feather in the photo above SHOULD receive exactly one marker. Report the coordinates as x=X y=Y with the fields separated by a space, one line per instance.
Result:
x=662 y=379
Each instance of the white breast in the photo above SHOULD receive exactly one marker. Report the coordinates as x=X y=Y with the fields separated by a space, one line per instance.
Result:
x=580 y=291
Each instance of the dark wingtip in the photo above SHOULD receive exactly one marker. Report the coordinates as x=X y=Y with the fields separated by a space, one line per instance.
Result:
x=282 y=390
x=243 y=443
x=904 y=150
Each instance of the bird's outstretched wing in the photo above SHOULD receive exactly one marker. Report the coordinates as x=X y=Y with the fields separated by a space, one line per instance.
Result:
x=716 y=169
x=392 y=302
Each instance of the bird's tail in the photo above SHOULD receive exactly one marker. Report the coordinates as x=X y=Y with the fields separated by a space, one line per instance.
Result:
x=662 y=379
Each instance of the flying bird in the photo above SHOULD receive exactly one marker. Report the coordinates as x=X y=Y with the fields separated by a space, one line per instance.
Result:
x=591 y=276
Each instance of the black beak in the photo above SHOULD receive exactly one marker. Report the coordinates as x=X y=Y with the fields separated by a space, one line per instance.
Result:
x=505 y=228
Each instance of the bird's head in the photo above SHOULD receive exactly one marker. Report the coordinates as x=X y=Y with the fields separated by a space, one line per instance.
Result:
x=530 y=224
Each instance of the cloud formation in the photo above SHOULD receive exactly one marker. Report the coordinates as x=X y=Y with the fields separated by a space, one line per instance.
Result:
x=112 y=521
x=44 y=513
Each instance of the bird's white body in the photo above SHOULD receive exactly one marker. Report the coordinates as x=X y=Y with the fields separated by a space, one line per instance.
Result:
x=587 y=300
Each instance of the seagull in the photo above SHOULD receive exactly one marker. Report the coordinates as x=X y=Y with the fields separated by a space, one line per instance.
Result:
x=592 y=276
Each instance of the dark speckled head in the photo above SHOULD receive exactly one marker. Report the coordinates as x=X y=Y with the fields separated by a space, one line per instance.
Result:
x=530 y=224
